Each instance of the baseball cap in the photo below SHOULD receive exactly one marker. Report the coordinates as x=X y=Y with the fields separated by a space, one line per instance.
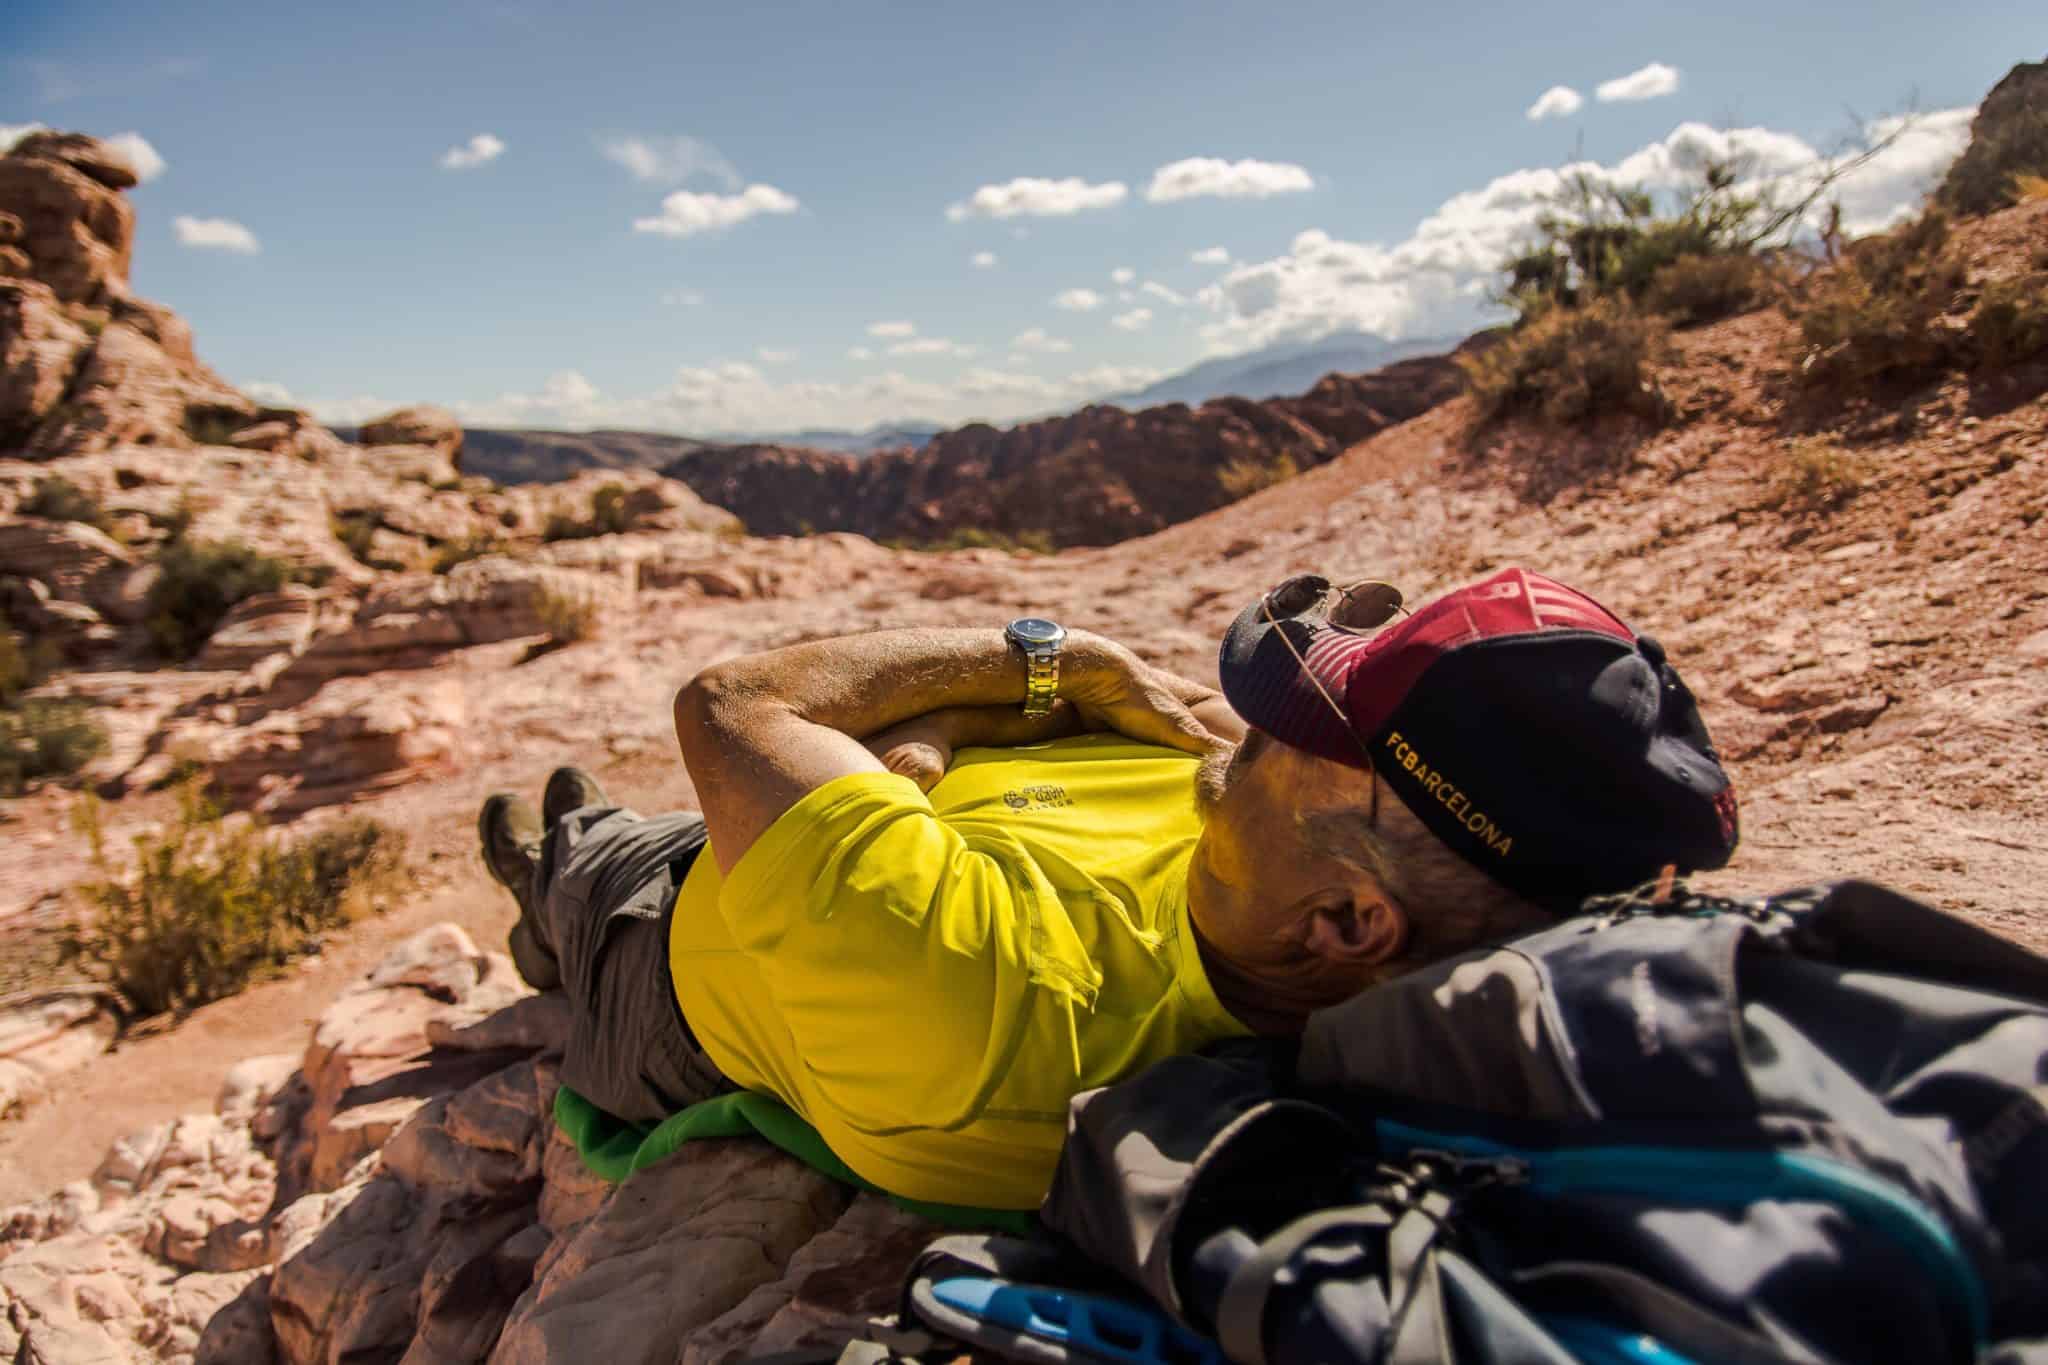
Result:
x=1522 y=722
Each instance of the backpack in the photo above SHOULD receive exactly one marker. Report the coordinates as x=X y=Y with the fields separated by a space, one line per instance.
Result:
x=1808 y=1128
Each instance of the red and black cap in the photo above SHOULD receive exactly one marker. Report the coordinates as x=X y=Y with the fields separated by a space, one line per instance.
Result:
x=1522 y=722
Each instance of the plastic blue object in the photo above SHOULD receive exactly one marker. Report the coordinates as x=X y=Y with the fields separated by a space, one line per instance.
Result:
x=1593 y=1342
x=1090 y=1325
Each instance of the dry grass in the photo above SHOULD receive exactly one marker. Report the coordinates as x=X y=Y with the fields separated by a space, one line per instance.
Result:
x=1699 y=289
x=213 y=902
x=2029 y=189
x=1573 y=364
x=1878 y=315
x=1244 y=476
x=1817 y=476
x=2010 y=322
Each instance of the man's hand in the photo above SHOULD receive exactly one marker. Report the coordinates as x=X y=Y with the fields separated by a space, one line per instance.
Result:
x=1113 y=689
x=921 y=748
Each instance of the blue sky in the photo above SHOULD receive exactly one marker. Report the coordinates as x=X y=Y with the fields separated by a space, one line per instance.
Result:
x=1392 y=156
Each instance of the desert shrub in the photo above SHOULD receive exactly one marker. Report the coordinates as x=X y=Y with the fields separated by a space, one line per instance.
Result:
x=2010 y=321
x=455 y=552
x=1877 y=315
x=1816 y=475
x=213 y=426
x=211 y=903
x=1244 y=476
x=1570 y=364
x=24 y=663
x=199 y=583
x=357 y=532
x=607 y=517
x=46 y=737
x=567 y=616
x=1027 y=542
x=1981 y=179
x=1697 y=289
x=56 y=498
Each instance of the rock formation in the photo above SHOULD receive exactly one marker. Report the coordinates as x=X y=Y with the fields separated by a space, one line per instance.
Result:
x=400 y=1191
x=423 y=425
x=2009 y=133
x=1093 y=477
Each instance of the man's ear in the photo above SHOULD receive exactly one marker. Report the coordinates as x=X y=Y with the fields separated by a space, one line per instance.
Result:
x=1365 y=933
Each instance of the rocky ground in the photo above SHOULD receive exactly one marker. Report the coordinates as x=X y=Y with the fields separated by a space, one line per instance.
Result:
x=355 y=1162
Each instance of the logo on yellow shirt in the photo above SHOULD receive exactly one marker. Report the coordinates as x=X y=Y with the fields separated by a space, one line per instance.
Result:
x=1039 y=796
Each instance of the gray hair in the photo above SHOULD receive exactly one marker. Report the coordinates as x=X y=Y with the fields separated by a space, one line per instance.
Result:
x=1451 y=905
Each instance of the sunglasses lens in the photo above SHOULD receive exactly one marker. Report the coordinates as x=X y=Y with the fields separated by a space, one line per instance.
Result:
x=1366 y=606
x=1297 y=596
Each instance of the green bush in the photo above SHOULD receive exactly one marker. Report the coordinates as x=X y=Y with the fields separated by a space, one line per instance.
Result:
x=607 y=517
x=568 y=617
x=1244 y=476
x=24 y=663
x=46 y=737
x=462 y=551
x=1698 y=289
x=2010 y=321
x=1877 y=315
x=199 y=583
x=1571 y=364
x=56 y=498
x=210 y=904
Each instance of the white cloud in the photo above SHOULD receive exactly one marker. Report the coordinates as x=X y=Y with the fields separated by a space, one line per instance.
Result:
x=771 y=356
x=983 y=260
x=11 y=133
x=1077 y=300
x=1210 y=177
x=143 y=157
x=480 y=149
x=269 y=391
x=931 y=346
x=1645 y=84
x=1559 y=101
x=683 y=298
x=1210 y=255
x=1123 y=274
x=886 y=330
x=218 y=234
x=1036 y=340
x=737 y=397
x=1031 y=197
x=670 y=160
x=1161 y=292
x=1435 y=281
x=860 y=353
x=684 y=214
x=1134 y=321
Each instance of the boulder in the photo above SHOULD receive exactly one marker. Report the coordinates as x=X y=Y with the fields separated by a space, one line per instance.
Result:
x=39 y=354
x=77 y=231
x=88 y=155
x=129 y=392
x=421 y=425
x=46 y=1033
x=282 y=622
x=76 y=562
x=410 y=621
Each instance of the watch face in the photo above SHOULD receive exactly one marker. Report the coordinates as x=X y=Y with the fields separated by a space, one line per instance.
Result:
x=1036 y=630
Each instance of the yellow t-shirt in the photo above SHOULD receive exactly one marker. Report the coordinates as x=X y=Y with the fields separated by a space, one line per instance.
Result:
x=928 y=980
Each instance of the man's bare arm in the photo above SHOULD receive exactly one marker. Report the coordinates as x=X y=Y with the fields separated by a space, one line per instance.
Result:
x=760 y=732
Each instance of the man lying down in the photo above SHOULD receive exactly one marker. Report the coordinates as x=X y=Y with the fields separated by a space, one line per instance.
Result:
x=955 y=877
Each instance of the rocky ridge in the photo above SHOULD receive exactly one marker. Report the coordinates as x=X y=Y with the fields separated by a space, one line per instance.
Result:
x=1094 y=477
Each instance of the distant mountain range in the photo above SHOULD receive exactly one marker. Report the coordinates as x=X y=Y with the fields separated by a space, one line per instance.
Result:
x=1282 y=369
x=516 y=455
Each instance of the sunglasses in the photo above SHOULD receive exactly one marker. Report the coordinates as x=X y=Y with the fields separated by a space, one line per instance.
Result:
x=1359 y=607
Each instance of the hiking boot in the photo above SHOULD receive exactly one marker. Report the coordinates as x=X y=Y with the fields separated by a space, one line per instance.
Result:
x=569 y=789
x=510 y=830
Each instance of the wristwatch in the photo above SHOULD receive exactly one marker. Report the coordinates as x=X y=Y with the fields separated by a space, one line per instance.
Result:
x=1040 y=640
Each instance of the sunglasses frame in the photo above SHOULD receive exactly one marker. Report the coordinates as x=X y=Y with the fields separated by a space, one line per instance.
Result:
x=1387 y=603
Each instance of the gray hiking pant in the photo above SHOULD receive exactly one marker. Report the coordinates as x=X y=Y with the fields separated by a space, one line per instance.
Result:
x=605 y=891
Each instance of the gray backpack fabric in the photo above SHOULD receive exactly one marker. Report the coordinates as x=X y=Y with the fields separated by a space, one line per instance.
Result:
x=1812 y=1128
